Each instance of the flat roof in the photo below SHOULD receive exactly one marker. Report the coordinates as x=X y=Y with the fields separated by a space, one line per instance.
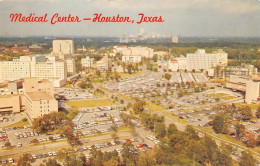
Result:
x=35 y=96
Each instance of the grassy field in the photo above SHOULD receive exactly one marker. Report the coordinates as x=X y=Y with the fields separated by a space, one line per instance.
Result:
x=219 y=80
x=91 y=103
x=252 y=106
x=67 y=86
x=20 y=123
x=154 y=107
x=124 y=97
x=223 y=96
x=102 y=88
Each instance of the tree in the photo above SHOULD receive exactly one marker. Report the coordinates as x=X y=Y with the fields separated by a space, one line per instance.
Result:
x=247 y=113
x=50 y=122
x=138 y=106
x=160 y=129
x=71 y=138
x=258 y=112
x=258 y=140
x=98 y=73
x=155 y=58
x=240 y=130
x=129 y=68
x=7 y=144
x=128 y=154
x=111 y=162
x=25 y=160
x=167 y=76
x=191 y=132
x=172 y=129
x=251 y=140
x=52 y=162
x=146 y=159
x=246 y=159
x=73 y=159
x=24 y=119
x=218 y=123
x=124 y=66
x=51 y=138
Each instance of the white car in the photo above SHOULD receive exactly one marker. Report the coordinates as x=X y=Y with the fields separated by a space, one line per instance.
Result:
x=34 y=156
x=50 y=153
x=11 y=160
x=20 y=144
x=54 y=153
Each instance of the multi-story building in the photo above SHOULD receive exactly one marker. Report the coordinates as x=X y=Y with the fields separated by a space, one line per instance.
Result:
x=49 y=70
x=11 y=103
x=104 y=64
x=175 y=39
x=182 y=63
x=14 y=70
x=39 y=97
x=202 y=60
x=37 y=66
x=63 y=46
x=87 y=62
x=247 y=84
x=173 y=64
x=244 y=69
x=119 y=49
x=131 y=59
x=71 y=67
x=142 y=51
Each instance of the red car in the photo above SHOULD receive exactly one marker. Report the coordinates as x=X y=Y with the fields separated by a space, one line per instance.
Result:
x=128 y=140
x=140 y=146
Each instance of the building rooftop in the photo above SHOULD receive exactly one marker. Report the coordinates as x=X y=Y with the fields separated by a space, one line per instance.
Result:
x=35 y=96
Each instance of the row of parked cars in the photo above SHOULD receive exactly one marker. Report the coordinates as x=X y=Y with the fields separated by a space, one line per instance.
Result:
x=26 y=134
x=44 y=155
x=10 y=160
x=98 y=146
x=152 y=138
x=15 y=128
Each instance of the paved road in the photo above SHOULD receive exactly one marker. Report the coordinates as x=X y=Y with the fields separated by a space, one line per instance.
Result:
x=59 y=145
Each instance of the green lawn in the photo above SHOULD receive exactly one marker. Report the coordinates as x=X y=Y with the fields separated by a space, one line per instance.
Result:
x=223 y=96
x=252 y=106
x=67 y=86
x=124 y=97
x=20 y=123
x=91 y=103
x=154 y=107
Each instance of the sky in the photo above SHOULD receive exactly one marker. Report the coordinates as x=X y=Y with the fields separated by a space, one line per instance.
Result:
x=194 y=18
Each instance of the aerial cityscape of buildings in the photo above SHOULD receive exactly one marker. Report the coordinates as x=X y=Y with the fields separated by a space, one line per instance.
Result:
x=98 y=85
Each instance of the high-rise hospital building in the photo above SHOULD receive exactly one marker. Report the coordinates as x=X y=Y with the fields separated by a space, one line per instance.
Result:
x=57 y=66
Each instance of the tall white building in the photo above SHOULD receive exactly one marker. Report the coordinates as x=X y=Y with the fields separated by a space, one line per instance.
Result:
x=247 y=84
x=63 y=46
x=175 y=39
x=14 y=70
x=202 y=60
x=71 y=67
x=87 y=62
x=49 y=70
x=131 y=59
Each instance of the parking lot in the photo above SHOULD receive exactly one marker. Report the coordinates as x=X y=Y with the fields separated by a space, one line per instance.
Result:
x=73 y=94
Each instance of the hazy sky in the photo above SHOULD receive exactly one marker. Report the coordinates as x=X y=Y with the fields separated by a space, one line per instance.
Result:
x=182 y=17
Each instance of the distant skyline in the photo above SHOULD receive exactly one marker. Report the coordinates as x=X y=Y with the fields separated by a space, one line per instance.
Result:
x=201 y=18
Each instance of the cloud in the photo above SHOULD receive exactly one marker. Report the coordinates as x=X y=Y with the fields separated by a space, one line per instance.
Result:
x=227 y=6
